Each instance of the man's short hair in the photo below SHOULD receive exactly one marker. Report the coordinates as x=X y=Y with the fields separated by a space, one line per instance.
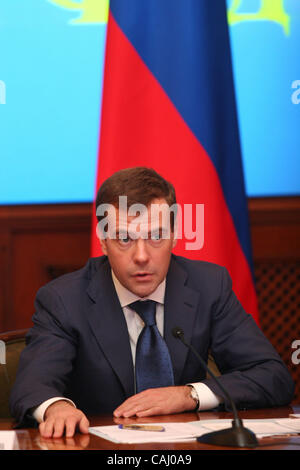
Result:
x=141 y=185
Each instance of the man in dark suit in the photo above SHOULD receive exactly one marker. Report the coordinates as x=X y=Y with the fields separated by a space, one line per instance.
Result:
x=87 y=351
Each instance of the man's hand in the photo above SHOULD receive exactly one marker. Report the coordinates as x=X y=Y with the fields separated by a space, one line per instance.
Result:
x=62 y=417
x=157 y=401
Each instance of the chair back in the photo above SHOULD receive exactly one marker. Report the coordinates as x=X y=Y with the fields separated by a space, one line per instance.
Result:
x=12 y=344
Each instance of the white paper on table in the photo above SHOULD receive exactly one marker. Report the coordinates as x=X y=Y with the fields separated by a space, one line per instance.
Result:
x=173 y=432
x=8 y=440
x=190 y=431
x=291 y=423
x=260 y=427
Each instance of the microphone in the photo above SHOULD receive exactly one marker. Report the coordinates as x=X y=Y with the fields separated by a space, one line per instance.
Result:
x=237 y=435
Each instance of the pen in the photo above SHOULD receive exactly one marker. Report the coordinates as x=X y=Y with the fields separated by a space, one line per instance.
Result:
x=141 y=427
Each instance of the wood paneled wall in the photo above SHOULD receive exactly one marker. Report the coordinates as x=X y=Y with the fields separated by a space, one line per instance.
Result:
x=275 y=231
x=38 y=243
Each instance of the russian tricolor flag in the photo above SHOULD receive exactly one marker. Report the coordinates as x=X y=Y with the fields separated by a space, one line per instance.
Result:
x=168 y=103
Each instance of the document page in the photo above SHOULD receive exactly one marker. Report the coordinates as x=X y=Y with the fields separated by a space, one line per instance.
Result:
x=190 y=431
x=261 y=427
x=8 y=440
x=172 y=432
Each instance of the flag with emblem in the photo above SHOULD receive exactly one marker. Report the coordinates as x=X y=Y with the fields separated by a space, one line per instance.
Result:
x=169 y=103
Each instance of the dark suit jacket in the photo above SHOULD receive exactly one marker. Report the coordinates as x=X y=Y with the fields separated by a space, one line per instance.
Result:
x=79 y=344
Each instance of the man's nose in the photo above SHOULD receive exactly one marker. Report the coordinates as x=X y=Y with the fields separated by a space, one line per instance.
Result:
x=141 y=254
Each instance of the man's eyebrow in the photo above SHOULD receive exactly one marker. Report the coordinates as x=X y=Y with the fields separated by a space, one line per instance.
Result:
x=120 y=233
x=125 y=232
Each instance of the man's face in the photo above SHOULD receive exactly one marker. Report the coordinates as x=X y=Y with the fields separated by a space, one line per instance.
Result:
x=138 y=254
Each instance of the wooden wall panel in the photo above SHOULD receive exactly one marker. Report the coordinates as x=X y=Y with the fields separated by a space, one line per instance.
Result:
x=275 y=230
x=4 y=281
x=38 y=243
x=42 y=257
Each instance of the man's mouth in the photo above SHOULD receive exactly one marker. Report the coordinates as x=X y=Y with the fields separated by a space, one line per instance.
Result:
x=142 y=276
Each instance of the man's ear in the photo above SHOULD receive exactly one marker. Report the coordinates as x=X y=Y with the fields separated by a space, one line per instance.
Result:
x=101 y=240
x=174 y=241
x=175 y=234
x=103 y=246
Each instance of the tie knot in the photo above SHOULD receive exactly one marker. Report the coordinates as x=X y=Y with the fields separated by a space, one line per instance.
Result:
x=146 y=310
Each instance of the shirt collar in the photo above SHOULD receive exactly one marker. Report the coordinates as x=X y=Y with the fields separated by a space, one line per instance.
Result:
x=126 y=297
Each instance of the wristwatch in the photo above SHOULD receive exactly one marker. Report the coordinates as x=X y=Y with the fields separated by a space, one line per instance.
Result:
x=194 y=396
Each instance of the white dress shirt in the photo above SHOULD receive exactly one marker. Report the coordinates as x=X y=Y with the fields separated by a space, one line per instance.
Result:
x=207 y=399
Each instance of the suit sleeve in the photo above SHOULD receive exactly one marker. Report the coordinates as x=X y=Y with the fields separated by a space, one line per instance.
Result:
x=46 y=362
x=252 y=371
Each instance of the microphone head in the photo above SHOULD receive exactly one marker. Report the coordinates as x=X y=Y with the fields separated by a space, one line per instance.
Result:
x=177 y=332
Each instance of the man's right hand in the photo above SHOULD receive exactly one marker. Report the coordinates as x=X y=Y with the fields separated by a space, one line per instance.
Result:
x=61 y=417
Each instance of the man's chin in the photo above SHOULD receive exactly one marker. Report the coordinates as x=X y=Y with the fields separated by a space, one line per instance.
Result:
x=143 y=288
x=142 y=292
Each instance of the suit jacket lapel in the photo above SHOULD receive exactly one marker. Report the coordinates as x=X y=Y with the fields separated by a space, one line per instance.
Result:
x=180 y=309
x=109 y=326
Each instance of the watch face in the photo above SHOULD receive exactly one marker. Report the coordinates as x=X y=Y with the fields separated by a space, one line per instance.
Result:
x=194 y=394
x=195 y=397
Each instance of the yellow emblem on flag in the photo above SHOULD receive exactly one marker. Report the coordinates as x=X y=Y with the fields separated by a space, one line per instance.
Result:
x=91 y=11
x=270 y=10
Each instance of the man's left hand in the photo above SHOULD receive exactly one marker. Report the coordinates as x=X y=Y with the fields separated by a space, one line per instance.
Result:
x=157 y=401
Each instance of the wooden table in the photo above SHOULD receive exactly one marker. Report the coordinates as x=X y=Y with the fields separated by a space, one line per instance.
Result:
x=30 y=438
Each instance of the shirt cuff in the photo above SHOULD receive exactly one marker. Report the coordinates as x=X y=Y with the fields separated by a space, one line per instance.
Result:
x=39 y=411
x=207 y=398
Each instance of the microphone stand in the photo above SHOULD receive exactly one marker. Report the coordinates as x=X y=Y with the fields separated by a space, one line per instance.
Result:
x=237 y=435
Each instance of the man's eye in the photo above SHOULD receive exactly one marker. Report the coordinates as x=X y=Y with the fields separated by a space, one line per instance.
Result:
x=124 y=239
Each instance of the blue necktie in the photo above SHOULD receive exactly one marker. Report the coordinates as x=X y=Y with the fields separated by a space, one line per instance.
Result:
x=153 y=367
